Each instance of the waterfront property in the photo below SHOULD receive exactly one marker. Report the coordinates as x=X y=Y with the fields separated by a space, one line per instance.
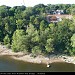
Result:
x=58 y=17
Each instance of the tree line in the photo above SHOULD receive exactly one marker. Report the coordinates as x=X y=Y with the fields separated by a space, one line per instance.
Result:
x=26 y=29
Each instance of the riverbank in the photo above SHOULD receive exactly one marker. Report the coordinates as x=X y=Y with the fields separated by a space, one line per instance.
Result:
x=39 y=59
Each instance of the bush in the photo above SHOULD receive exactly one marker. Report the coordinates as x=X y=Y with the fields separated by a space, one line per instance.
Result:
x=6 y=40
x=36 y=50
x=8 y=46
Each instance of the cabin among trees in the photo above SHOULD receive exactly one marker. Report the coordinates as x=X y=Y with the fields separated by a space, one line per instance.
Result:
x=58 y=17
x=57 y=12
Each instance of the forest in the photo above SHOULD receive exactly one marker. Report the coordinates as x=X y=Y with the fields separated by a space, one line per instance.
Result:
x=26 y=29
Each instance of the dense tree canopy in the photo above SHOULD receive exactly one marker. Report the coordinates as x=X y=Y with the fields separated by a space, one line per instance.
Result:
x=26 y=29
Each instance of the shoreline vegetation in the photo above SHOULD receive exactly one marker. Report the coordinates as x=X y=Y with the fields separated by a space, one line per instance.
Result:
x=39 y=59
x=33 y=30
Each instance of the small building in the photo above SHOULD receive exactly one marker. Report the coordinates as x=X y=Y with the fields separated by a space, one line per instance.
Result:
x=53 y=19
x=57 y=12
x=57 y=17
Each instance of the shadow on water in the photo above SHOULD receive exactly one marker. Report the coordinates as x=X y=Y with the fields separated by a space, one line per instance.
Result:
x=8 y=64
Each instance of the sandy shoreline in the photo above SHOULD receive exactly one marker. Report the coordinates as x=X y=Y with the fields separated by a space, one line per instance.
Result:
x=39 y=59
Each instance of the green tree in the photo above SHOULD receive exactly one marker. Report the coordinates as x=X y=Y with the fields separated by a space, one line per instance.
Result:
x=10 y=25
x=32 y=18
x=4 y=11
x=62 y=35
x=43 y=36
x=43 y=25
x=73 y=41
x=18 y=40
x=27 y=13
x=19 y=23
x=6 y=40
x=72 y=51
x=33 y=36
x=36 y=50
x=49 y=45
x=37 y=21
x=39 y=9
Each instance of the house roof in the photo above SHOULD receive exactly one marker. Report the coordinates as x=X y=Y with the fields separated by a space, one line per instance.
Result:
x=55 y=17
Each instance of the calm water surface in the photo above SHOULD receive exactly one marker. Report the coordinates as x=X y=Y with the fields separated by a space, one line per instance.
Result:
x=8 y=64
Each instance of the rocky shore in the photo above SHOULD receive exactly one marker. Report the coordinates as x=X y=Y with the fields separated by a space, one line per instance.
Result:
x=39 y=59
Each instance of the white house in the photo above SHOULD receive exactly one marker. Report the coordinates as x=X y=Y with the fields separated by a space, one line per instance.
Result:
x=58 y=12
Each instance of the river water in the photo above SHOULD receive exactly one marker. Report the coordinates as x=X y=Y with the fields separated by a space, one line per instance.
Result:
x=8 y=64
